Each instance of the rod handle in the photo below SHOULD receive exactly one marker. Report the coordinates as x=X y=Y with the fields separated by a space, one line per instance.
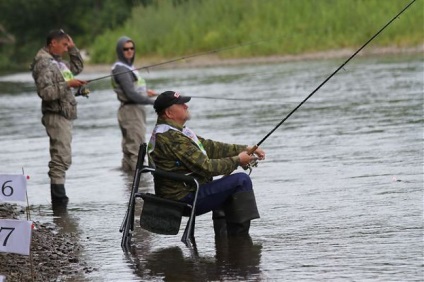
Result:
x=252 y=150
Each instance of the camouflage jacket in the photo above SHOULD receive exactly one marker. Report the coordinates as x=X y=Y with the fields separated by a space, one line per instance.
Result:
x=175 y=152
x=50 y=79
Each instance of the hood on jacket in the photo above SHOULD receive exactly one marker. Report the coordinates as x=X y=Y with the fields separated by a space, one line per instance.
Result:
x=120 y=51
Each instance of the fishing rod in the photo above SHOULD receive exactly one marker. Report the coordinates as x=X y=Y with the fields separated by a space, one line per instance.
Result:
x=232 y=99
x=221 y=98
x=183 y=58
x=325 y=81
x=84 y=91
x=256 y=101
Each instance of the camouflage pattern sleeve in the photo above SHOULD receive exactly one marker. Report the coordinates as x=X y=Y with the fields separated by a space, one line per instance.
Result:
x=76 y=64
x=218 y=150
x=190 y=158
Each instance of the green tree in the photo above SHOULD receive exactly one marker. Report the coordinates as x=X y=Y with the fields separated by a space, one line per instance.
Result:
x=29 y=21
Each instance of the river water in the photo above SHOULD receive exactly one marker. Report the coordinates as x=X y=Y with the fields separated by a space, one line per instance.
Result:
x=340 y=193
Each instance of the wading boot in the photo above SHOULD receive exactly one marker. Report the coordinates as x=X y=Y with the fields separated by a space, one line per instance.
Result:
x=219 y=223
x=239 y=211
x=58 y=195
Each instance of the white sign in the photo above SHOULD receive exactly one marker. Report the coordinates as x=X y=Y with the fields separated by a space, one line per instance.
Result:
x=12 y=188
x=15 y=236
x=2 y=278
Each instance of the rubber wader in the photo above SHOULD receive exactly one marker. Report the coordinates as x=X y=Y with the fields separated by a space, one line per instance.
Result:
x=58 y=194
x=238 y=211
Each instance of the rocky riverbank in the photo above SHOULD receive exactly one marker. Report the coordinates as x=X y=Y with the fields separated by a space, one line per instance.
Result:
x=54 y=255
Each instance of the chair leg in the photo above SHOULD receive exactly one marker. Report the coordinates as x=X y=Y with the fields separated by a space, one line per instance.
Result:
x=192 y=229
x=184 y=237
x=189 y=230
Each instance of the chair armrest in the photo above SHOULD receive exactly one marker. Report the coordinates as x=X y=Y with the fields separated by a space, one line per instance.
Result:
x=175 y=176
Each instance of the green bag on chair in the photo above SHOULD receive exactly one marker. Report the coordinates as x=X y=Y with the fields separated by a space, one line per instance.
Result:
x=162 y=216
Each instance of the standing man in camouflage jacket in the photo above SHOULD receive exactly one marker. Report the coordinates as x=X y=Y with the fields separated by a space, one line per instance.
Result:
x=54 y=79
x=175 y=148
x=132 y=92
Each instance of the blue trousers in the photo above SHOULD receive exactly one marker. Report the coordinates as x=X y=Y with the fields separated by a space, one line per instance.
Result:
x=213 y=195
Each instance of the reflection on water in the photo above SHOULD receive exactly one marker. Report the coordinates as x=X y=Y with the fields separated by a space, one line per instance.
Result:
x=238 y=258
x=67 y=222
x=340 y=193
x=235 y=259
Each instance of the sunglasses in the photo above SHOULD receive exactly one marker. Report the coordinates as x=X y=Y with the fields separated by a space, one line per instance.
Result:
x=129 y=48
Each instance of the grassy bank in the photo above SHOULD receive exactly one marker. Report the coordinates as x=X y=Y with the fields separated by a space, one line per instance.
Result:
x=284 y=27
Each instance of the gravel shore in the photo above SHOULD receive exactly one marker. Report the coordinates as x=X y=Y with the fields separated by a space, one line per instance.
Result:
x=54 y=256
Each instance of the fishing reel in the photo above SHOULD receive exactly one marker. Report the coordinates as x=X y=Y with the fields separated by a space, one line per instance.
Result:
x=253 y=163
x=82 y=91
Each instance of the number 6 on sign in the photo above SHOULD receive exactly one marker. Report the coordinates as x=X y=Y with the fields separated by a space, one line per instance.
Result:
x=12 y=188
x=15 y=236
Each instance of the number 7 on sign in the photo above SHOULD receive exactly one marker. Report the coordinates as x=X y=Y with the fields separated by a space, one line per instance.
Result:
x=15 y=236
x=10 y=229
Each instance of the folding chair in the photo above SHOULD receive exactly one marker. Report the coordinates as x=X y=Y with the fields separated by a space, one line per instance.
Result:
x=159 y=215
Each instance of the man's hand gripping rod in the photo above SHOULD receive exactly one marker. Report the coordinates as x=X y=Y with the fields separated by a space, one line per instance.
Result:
x=254 y=161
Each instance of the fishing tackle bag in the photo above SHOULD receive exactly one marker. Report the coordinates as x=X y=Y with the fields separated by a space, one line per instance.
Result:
x=162 y=216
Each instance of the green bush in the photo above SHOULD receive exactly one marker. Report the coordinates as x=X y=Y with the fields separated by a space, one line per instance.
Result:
x=164 y=29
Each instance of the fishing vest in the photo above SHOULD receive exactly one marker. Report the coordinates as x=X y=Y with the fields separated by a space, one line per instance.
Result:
x=64 y=70
x=67 y=104
x=162 y=128
x=139 y=83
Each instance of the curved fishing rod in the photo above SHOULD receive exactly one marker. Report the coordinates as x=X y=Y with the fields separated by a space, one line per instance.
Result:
x=327 y=79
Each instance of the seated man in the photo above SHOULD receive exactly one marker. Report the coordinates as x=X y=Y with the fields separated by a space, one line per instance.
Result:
x=175 y=148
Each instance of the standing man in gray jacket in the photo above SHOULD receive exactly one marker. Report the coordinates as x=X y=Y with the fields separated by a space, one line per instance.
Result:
x=133 y=94
x=54 y=79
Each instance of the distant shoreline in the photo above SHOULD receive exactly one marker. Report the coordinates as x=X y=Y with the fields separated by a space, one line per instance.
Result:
x=214 y=60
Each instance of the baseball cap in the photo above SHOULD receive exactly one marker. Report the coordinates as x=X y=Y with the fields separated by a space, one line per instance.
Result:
x=167 y=99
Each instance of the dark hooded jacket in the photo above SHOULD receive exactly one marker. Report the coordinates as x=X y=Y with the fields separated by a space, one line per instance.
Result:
x=129 y=86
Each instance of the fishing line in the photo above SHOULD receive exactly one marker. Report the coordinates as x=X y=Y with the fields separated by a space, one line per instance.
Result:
x=83 y=91
x=182 y=58
x=328 y=78
x=220 y=98
x=276 y=102
x=228 y=99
